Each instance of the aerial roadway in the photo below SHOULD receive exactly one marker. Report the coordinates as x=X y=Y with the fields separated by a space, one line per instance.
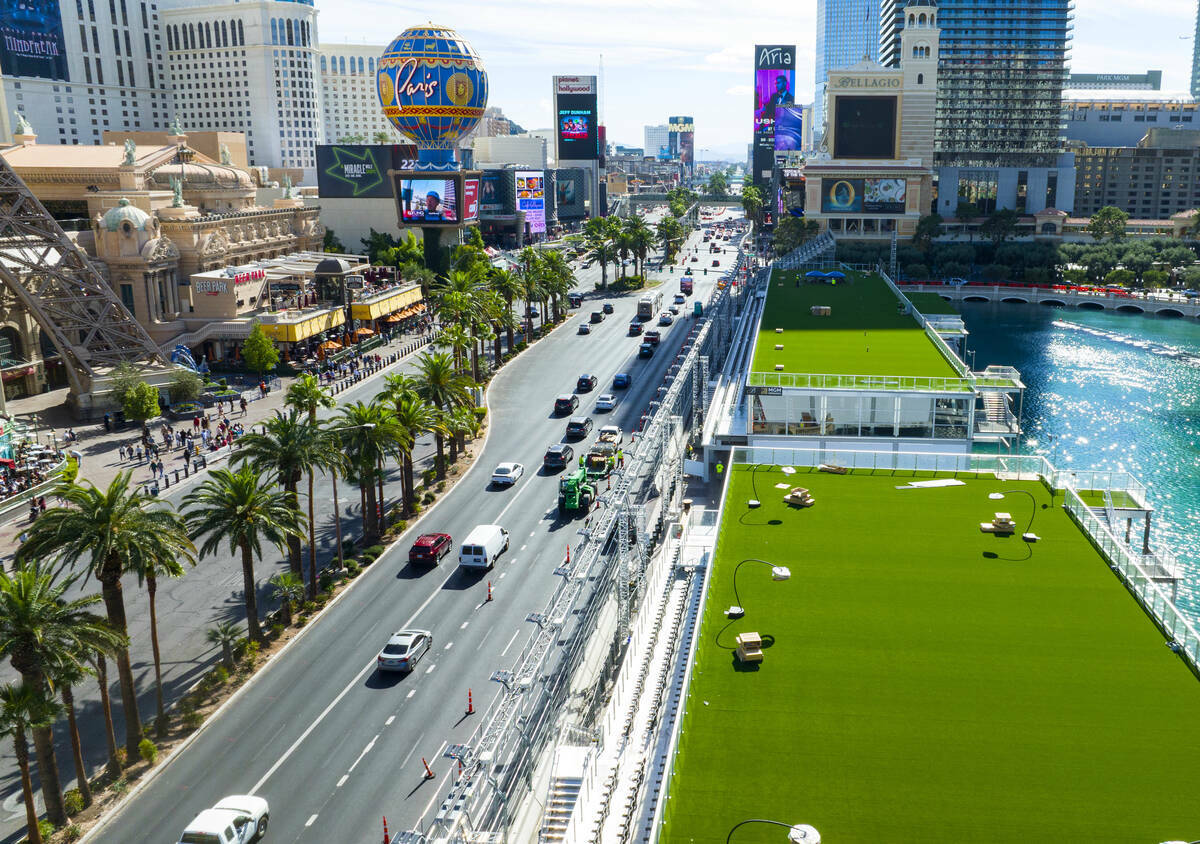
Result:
x=333 y=743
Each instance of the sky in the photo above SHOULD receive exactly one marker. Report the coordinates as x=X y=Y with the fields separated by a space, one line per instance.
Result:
x=694 y=57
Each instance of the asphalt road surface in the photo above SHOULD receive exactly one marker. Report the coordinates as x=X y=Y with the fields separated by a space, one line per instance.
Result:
x=334 y=744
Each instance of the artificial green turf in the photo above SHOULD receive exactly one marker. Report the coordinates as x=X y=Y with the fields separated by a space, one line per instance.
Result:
x=931 y=304
x=920 y=691
x=864 y=335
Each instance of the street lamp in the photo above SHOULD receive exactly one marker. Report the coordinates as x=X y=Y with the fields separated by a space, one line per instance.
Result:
x=800 y=833
x=1027 y=536
x=777 y=573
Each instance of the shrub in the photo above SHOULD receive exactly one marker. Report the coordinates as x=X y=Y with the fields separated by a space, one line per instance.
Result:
x=441 y=486
x=352 y=568
x=148 y=751
x=374 y=549
x=251 y=653
x=220 y=675
x=402 y=525
x=73 y=801
x=325 y=581
x=428 y=475
x=72 y=833
x=276 y=628
x=192 y=720
x=428 y=498
x=46 y=829
x=120 y=786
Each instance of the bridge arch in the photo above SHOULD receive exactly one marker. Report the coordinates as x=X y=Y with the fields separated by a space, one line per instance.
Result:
x=1090 y=306
x=1171 y=313
x=1015 y=300
x=975 y=297
x=1058 y=303
x=1131 y=309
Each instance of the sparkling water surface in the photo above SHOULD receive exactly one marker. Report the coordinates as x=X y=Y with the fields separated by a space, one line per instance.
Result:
x=1110 y=391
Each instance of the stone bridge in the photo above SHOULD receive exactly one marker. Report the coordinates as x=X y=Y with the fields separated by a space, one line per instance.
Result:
x=1165 y=305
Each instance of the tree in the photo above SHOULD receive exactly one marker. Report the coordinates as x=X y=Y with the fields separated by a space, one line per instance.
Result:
x=243 y=511
x=792 y=232
x=141 y=402
x=41 y=630
x=259 y=351
x=148 y=570
x=333 y=243
x=99 y=662
x=507 y=285
x=916 y=271
x=966 y=210
x=24 y=708
x=381 y=137
x=1108 y=224
x=289 y=590
x=375 y=242
x=416 y=417
x=111 y=532
x=718 y=186
x=1000 y=225
x=124 y=378
x=752 y=203
x=66 y=676
x=1120 y=278
x=225 y=635
x=1178 y=256
x=997 y=273
x=306 y=395
x=1155 y=279
x=441 y=386
x=928 y=227
x=352 y=139
x=185 y=385
x=369 y=434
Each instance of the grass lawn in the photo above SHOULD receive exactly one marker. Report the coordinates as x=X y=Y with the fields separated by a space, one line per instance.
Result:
x=864 y=335
x=926 y=682
x=931 y=304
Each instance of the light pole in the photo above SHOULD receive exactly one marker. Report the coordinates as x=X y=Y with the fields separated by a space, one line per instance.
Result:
x=777 y=573
x=337 y=511
x=1027 y=536
x=800 y=833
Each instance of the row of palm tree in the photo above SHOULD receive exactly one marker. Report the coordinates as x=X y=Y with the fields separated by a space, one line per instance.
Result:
x=54 y=642
x=612 y=240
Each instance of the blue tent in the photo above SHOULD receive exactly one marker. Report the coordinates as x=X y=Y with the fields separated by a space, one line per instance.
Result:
x=815 y=274
x=835 y=274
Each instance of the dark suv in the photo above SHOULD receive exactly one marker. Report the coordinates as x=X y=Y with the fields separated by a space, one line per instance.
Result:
x=579 y=427
x=558 y=456
x=585 y=384
x=565 y=404
x=608 y=307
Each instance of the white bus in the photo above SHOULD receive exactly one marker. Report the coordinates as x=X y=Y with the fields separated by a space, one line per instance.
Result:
x=650 y=304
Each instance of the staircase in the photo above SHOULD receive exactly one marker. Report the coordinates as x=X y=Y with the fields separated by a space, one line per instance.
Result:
x=565 y=785
x=821 y=246
x=995 y=408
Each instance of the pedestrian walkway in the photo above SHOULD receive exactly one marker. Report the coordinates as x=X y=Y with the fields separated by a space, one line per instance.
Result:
x=48 y=419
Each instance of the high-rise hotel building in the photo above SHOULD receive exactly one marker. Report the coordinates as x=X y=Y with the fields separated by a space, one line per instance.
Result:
x=847 y=33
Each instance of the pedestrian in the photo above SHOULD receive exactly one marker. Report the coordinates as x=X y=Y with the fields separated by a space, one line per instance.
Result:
x=195 y=423
x=262 y=388
x=121 y=451
x=108 y=422
x=139 y=454
x=244 y=405
x=41 y=504
x=33 y=510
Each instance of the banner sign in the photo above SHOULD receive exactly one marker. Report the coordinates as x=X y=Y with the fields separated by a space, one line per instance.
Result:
x=531 y=198
x=870 y=196
x=31 y=39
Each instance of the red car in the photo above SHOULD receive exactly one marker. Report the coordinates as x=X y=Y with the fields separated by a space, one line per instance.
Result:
x=430 y=548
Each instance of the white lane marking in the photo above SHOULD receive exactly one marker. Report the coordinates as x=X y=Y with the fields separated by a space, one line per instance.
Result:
x=510 y=641
x=429 y=670
x=364 y=752
x=532 y=532
x=523 y=547
x=370 y=666
x=342 y=781
x=389 y=721
x=501 y=577
x=515 y=499
x=414 y=750
x=448 y=646
x=310 y=821
x=411 y=692
x=463 y=626
x=438 y=791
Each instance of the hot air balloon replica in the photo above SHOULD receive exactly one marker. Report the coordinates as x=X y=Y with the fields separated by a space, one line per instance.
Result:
x=433 y=88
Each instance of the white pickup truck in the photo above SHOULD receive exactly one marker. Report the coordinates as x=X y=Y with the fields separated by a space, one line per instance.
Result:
x=235 y=820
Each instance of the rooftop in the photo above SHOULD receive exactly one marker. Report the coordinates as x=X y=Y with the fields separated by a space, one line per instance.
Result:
x=924 y=681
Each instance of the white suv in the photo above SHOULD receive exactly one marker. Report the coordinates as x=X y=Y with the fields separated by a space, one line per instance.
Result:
x=235 y=820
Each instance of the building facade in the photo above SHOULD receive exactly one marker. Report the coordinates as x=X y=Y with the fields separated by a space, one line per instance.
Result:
x=847 y=33
x=249 y=67
x=112 y=75
x=1000 y=81
x=657 y=139
x=499 y=150
x=1154 y=180
x=349 y=101
x=1123 y=123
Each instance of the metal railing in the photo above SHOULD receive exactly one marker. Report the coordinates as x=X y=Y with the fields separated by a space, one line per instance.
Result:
x=912 y=383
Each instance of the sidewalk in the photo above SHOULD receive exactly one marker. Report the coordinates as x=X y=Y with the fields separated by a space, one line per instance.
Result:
x=48 y=416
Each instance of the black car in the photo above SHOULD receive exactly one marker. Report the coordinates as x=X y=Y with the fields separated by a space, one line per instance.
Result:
x=558 y=456
x=565 y=404
x=608 y=308
x=597 y=316
x=579 y=427
x=645 y=350
x=585 y=384
x=635 y=328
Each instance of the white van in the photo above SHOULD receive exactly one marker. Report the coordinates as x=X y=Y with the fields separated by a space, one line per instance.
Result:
x=483 y=546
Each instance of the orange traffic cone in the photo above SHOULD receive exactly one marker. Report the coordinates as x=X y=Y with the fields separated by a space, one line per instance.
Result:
x=489 y=597
x=428 y=772
x=386 y=838
x=470 y=703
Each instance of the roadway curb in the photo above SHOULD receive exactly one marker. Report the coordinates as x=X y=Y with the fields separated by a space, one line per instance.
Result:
x=149 y=777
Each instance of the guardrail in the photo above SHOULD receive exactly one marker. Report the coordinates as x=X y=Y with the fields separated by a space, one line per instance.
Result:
x=912 y=383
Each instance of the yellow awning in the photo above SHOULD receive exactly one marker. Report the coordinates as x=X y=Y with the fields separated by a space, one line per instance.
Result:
x=301 y=329
x=386 y=305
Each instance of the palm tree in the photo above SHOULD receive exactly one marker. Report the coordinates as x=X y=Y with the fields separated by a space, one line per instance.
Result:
x=460 y=422
x=288 y=446
x=307 y=395
x=22 y=708
x=558 y=279
x=508 y=285
x=112 y=531
x=641 y=240
x=457 y=340
x=444 y=388
x=416 y=417
x=41 y=630
x=604 y=253
x=289 y=589
x=148 y=572
x=243 y=510
x=224 y=635
x=370 y=434
x=66 y=676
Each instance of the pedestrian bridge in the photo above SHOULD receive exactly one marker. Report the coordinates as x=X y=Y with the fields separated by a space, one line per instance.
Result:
x=1168 y=305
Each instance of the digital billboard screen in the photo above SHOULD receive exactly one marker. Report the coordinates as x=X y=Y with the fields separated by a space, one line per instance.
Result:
x=31 y=39
x=425 y=201
x=531 y=198
x=870 y=196
x=789 y=128
x=577 y=129
x=490 y=193
x=470 y=203
x=565 y=192
x=774 y=88
x=864 y=127
x=356 y=171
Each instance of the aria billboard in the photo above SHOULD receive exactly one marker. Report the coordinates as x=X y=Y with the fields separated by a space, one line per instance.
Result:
x=31 y=39
x=774 y=88
x=577 y=129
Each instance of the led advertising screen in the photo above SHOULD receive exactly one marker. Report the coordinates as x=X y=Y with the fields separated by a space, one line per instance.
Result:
x=565 y=192
x=31 y=39
x=789 y=128
x=682 y=139
x=576 y=118
x=470 y=203
x=573 y=127
x=490 y=193
x=425 y=201
x=355 y=171
x=531 y=198
x=870 y=196
x=864 y=127
x=774 y=87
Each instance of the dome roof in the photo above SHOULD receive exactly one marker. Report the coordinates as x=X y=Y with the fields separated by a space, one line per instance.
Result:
x=332 y=266
x=926 y=3
x=114 y=217
x=201 y=176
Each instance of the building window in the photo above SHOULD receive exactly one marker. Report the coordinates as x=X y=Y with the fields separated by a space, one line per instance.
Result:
x=127 y=298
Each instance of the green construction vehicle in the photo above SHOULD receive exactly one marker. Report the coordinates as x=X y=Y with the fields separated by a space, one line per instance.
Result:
x=599 y=460
x=575 y=493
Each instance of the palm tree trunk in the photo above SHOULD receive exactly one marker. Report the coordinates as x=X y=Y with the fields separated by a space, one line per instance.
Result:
x=312 y=540
x=113 y=767
x=43 y=745
x=294 y=552
x=81 y=777
x=370 y=531
x=382 y=498
x=497 y=351
x=251 y=596
x=114 y=604
x=509 y=303
x=160 y=709
x=337 y=520
x=21 y=749
x=440 y=442
x=409 y=480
